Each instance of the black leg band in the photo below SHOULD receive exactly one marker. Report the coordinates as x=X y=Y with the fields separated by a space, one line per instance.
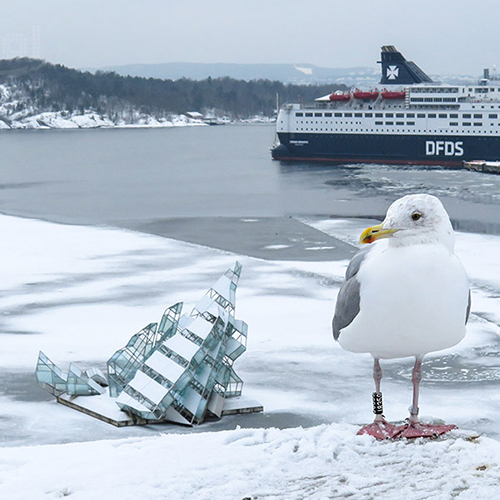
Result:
x=378 y=407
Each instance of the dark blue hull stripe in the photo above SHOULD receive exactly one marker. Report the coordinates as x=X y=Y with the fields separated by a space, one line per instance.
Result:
x=392 y=149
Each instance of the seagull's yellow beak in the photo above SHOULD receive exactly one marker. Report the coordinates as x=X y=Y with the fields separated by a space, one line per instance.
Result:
x=375 y=233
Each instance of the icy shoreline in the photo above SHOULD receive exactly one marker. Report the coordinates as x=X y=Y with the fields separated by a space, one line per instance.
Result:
x=91 y=120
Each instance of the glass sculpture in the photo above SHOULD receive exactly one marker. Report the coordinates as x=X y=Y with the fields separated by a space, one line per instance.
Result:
x=179 y=369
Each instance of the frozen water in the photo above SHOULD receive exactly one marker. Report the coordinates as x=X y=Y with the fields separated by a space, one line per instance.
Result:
x=84 y=291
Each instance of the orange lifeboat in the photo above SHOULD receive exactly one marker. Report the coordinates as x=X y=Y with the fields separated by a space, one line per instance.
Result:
x=341 y=97
x=387 y=94
x=372 y=95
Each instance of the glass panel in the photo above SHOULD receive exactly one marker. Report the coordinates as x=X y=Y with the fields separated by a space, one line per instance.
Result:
x=211 y=342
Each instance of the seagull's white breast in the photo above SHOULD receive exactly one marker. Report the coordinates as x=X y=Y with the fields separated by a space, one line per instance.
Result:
x=413 y=300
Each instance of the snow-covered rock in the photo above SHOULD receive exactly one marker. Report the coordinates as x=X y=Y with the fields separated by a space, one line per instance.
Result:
x=91 y=120
x=55 y=120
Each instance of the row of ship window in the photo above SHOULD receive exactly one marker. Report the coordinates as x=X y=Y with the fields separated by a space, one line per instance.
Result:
x=391 y=115
x=434 y=99
x=399 y=130
x=452 y=124
x=453 y=90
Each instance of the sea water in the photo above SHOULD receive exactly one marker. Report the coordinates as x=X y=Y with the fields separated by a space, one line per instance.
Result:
x=112 y=176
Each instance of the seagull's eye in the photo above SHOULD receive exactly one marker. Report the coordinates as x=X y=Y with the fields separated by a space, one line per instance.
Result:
x=416 y=215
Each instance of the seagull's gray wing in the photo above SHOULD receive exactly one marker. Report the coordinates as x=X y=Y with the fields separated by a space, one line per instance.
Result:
x=347 y=307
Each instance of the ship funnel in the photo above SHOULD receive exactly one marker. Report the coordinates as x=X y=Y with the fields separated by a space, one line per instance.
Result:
x=396 y=70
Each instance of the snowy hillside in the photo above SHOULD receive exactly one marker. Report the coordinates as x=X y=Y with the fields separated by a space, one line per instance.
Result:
x=19 y=111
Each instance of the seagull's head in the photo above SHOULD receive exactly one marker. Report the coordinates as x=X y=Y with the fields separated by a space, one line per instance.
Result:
x=413 y=219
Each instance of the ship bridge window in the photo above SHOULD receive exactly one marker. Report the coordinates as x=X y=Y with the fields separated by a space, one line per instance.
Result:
x=493 y=116
x=389 y=115
x=299 y=114
x=410 y=115
x=467 y=115
x=338 y=115
x=453 y=115
x=443 y=115
x=420 y=115
x=348 y=115
x=478 y=115
x=431 y=115
x=449 y=99
x=328 y=115
x=309 y=114
x=318 y=114
x=368 y=115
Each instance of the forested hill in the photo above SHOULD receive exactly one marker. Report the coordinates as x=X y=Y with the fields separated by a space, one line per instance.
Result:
x=29 y=87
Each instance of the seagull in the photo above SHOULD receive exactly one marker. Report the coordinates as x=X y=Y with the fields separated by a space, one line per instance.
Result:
x=405 y=295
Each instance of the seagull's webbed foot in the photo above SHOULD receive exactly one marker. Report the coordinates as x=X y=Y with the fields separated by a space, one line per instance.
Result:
x=381 y=429
x=415 y=429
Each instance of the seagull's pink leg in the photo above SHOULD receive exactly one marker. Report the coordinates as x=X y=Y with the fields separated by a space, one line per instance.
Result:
x=415 y=428
x=416 y=377
x=380 y=428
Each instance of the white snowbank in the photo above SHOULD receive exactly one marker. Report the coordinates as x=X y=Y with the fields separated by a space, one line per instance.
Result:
x=328 y=461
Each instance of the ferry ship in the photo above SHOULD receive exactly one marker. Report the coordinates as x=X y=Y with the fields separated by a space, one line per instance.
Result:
x=407 y=119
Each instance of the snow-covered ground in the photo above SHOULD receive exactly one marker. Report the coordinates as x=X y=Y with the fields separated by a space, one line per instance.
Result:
x=89 y=119
x=79 y=293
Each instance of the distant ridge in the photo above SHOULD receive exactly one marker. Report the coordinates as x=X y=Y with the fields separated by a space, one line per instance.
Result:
x=287 y=73
x=297 y=74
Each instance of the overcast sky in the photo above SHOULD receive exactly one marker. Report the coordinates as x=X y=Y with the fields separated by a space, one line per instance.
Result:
x=441 y=36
